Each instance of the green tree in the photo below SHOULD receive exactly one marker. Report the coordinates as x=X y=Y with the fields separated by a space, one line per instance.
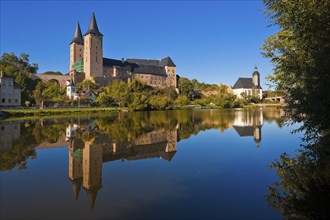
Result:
x=119 y=92
x=186 y=87
x=20 y=68
x=300 y=52
x=86 y=84
x=159 y=102
x=104 y=99
x=37 y=94
x=181 y=101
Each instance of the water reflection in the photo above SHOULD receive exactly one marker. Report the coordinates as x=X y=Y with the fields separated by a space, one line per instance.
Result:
x=86 y=157
x=95 y=140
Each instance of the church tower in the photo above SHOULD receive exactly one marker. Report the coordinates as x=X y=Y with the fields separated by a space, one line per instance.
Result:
x=93 y=53
x=256 y=77
x=76 y=48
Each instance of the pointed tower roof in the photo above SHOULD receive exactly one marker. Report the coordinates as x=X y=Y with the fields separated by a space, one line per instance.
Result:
x=77 y=38
x=93 y=29
x=91 y=195
x=76 y=184
x=255 y=72
x=167 y=61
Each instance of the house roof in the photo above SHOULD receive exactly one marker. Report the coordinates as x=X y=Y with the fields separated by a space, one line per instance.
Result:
x=167 y=61
x=112 y=62
x=141 y=66
x=245 y=83
x=93 y=29
x=146 y=69
x=77 y=37
x=244 y=131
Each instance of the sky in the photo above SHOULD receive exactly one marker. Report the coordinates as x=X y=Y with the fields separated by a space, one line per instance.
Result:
x=211 y=41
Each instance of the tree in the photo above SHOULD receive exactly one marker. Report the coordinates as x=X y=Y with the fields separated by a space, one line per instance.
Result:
x=37 y=94
x=160 y=102
x=181 y=101
x=186 y=87
x=119 y=92
x=21 y=69
x=300 y=52
x=86 y=84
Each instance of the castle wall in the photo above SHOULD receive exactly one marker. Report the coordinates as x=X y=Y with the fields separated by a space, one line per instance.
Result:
x=151 y=80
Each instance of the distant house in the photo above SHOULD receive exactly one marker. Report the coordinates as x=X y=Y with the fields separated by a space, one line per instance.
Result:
x=248 y=86
x=71 y=90
x=90 y=95
x=74 y=94
x=10 y=91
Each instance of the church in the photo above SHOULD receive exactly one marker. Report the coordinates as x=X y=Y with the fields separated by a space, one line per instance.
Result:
x=87 y=63
x=248 y=86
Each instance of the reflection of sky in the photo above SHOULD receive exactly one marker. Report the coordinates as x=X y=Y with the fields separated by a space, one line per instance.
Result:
x=212 y=172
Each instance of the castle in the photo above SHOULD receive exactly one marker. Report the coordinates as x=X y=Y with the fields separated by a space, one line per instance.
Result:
x=87 y=63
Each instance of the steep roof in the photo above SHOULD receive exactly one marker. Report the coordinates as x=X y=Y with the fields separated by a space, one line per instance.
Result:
x=77 y=37
x=112 y=62
x=137 y=65
x=93 y=29
x=167 y=61
x=144 y=62
x=245 y=83
x=244 y=131
x=155 y=70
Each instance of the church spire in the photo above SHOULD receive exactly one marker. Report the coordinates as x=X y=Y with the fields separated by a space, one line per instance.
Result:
x=78 y=38
x=93 y=29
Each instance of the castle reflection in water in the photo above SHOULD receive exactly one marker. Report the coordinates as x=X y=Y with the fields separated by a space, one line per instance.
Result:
x=124 y=136
x=86 y=157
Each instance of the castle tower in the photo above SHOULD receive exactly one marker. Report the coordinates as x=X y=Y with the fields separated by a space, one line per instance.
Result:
x=170 y=69
x=76 y=48
x=93 y=53
x=256 y=77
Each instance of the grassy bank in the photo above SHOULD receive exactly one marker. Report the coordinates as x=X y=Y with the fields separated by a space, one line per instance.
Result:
x=55 y=111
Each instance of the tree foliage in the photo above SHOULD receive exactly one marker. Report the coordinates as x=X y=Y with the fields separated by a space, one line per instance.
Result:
x=300 y=52
x=86 y=84
x=20 y=68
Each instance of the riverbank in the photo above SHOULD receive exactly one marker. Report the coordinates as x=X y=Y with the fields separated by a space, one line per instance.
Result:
x=55 y=111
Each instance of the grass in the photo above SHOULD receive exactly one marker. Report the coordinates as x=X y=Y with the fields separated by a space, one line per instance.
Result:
x=56 y=111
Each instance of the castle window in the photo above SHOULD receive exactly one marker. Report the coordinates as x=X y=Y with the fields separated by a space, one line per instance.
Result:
x=172 y=71
x=9 y=100
x=3 y=84
x=3 y=100
x=9 y=84
x=16 y=100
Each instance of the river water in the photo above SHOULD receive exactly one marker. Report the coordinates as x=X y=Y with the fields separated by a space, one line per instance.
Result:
x=158 y=165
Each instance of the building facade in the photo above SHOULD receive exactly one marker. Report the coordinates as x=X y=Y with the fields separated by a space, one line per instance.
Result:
x=10 y=91
x=248 y=86
x=87 y=63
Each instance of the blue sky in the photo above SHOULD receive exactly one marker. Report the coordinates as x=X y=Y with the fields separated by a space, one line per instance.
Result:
x=212 y=41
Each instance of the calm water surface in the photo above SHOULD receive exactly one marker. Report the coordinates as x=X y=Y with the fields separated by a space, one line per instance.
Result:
x=173 y=164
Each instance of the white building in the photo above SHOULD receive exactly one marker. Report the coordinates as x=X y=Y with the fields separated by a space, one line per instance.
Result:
x=10 y=91
x=71 y=90
x=248 y=86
